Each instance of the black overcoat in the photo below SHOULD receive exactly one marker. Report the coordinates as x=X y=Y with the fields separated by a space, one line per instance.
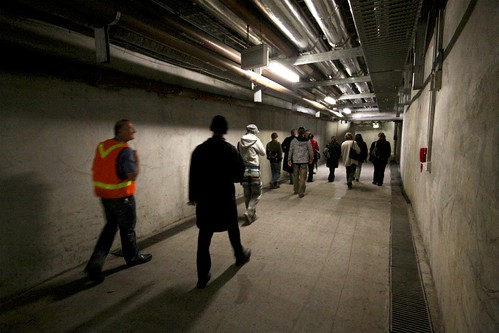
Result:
x=215 y=166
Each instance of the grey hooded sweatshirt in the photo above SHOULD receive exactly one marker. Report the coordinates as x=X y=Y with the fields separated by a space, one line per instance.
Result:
x=250 y=147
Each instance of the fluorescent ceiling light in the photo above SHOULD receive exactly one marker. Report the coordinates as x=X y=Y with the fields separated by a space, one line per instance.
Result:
x=283 y=71
x=347 y=111
x=330 y=100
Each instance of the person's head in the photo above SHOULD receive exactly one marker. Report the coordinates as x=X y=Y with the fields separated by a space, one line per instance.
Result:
x=252 y=128
x=358 y=138
x=334 y=138
x=310 y=136
x=124 y=129
x=294 y=132
x=274 y=136
x=348 y=136
x=219 y=125
x=381 y=136
x=307 y=133
x=301 y=131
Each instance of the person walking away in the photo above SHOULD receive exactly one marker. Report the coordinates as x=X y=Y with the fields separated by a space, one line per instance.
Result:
x=316 y=150
x=363 y=155
x=274 y=155
x=285 y=148
x=379 y=154
x=332 y=152
x=300 y=156
x=215 y=166
x=250 y=147
x=115 y=169
x=349 y=162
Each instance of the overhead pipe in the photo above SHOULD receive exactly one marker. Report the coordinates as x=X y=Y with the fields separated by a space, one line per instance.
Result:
x=286 y=15
x=328 y=17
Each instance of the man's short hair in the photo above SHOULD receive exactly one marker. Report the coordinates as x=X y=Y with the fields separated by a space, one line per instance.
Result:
x=219 y=125
x=301 y=131
x=119 y=124
x=274 y=136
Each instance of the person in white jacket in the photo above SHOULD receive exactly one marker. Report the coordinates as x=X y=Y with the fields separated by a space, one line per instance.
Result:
x=251 y=148
x=349 y=161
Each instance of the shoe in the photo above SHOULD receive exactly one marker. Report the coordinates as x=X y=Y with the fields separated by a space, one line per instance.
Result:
x=244 y=259
x=301 y=195
x=94 y=274
x=247 y=217
x=374 y=183
x=141 y=258
x=203 y=282
x=349 y=184
x=379 y=184
x=357 y=179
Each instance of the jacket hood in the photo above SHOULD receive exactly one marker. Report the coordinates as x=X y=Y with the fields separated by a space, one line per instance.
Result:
x=248 y=140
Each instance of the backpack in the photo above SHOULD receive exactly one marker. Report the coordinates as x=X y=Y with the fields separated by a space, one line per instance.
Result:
x=326 y=153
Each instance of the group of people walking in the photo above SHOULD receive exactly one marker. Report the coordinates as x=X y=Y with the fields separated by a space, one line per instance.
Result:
x=216 y=166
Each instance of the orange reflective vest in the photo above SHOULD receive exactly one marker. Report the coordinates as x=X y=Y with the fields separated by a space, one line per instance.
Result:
x=107 y=184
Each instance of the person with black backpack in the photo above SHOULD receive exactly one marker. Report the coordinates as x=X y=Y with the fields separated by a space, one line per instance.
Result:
x=274 y=155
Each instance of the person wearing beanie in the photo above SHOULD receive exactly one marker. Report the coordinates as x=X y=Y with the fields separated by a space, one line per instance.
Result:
x=215 y=166
x=251 y=148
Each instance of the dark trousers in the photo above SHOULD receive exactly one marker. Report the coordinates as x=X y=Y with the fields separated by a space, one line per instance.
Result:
x=310 y=172
x=379 y=173
x=350 y=173
x=120 y=213
x=203 y=259
x=331 y=174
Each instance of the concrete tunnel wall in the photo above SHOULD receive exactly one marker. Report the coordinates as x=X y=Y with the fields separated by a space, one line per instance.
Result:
x=50 y=128
x=456 y=204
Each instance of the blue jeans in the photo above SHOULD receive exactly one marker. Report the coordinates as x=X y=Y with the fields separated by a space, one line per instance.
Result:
x=275 y=167
x=120 y=213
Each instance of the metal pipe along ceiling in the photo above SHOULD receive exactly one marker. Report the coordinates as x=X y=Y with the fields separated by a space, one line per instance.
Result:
x=291 y=20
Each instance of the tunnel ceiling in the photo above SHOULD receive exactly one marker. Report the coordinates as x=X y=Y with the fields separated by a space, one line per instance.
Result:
x=354 y=51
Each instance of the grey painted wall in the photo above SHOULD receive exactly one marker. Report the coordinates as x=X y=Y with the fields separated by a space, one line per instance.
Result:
x=456 y=204
x=50 y=128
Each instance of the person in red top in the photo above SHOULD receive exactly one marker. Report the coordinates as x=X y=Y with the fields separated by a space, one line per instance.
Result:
x=315 y=149
x=115 y=169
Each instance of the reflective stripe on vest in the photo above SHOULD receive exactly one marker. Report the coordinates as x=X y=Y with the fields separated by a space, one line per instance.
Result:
x=106 y=182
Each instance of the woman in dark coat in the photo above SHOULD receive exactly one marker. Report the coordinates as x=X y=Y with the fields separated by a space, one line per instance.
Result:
x=363 y=155
x=332 y=152
x=285 y=148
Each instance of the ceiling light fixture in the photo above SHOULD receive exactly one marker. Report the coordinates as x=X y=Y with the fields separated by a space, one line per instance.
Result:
x=330 y=100
x=283 y=71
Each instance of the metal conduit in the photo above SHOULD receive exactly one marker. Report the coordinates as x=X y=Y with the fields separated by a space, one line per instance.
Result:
x=99 y=13
x=328 y=16
x=284 y=14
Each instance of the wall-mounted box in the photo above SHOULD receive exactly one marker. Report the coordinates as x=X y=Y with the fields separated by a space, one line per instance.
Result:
x=255 y=56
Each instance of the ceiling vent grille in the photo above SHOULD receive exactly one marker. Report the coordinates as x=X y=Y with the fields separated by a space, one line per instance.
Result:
x=386 y=30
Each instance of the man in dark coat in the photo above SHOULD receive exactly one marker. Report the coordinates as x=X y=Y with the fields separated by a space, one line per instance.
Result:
x=379 y=154
x=286 y=143
x=215 y=166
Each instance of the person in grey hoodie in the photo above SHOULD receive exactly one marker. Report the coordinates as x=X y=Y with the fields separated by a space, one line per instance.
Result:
x=300 y=155
x=251 y=148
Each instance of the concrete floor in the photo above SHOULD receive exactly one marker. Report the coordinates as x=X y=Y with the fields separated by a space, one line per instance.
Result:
x=319 y=264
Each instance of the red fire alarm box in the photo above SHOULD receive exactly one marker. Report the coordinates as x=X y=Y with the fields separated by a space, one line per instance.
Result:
x=422 y=154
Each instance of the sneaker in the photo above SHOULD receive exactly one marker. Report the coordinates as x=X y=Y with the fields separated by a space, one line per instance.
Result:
x=244 y=259
x=301 y=195
x=203 y=282
x=349 y=184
